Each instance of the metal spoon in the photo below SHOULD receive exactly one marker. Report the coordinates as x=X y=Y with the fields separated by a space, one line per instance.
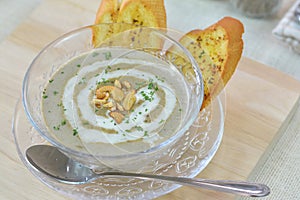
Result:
x=49 y=160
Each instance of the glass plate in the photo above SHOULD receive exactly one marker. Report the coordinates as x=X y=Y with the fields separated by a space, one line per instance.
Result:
x=197 y=147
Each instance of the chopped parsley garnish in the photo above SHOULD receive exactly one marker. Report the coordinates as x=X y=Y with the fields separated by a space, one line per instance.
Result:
x=44 y=94
x=150 y=85
x=201 y=54
x=146 y=133
x=139 y=128
x=161 y=121
x=149 y=96
x=107 y=55
x=78 y=65
x=83 y=80
x=51 y=80
x=102 y=81
x=55 y=92
x=75 y=131
x=56 y=127
x=107 y=69
x=63 y=122
x=160 y=79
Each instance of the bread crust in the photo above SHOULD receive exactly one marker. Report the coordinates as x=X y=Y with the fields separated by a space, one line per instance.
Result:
x=217 y=50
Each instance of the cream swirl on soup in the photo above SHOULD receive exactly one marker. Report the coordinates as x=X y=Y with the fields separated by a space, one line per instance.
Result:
x=157 y=90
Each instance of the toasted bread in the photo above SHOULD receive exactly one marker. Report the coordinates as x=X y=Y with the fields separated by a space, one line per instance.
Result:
x=217 y=50
x=148 y=13
x=107 y=13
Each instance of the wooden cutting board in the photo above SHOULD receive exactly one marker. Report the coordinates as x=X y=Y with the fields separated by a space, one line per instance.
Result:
x=259 y=100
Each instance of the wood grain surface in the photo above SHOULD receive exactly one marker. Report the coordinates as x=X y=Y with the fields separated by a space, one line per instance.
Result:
x=259 y=101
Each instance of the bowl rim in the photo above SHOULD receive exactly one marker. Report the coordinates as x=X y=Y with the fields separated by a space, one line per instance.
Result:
x=173 y=138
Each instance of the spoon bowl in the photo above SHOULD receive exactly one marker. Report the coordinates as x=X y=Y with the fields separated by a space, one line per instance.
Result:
x=49 y=160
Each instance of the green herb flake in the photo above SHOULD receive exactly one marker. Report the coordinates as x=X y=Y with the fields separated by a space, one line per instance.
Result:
x=63 y=122
x=150 y=85
x=201 y=54
x=139 y=128
x=75 y=131
x=78 y=65
x=102 y=81
x=107 y=55
x=44 y=94
x=55 y=92
x=56 y=128
x=146 y=134
x=51 y=80
x=82 y=81
x=161 y=121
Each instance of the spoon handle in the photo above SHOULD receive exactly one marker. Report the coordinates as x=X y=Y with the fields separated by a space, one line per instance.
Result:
x=235 y=187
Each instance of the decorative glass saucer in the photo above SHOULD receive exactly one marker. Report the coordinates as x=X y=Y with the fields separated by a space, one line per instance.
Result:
x=197 y=147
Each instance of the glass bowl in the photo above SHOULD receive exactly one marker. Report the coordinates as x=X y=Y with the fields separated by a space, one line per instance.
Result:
x=77 y=59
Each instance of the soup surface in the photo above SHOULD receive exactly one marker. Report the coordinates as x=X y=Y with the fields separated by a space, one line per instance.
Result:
x=109 y=102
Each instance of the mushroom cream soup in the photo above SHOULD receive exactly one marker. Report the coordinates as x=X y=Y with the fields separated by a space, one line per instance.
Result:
x=110 y=103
